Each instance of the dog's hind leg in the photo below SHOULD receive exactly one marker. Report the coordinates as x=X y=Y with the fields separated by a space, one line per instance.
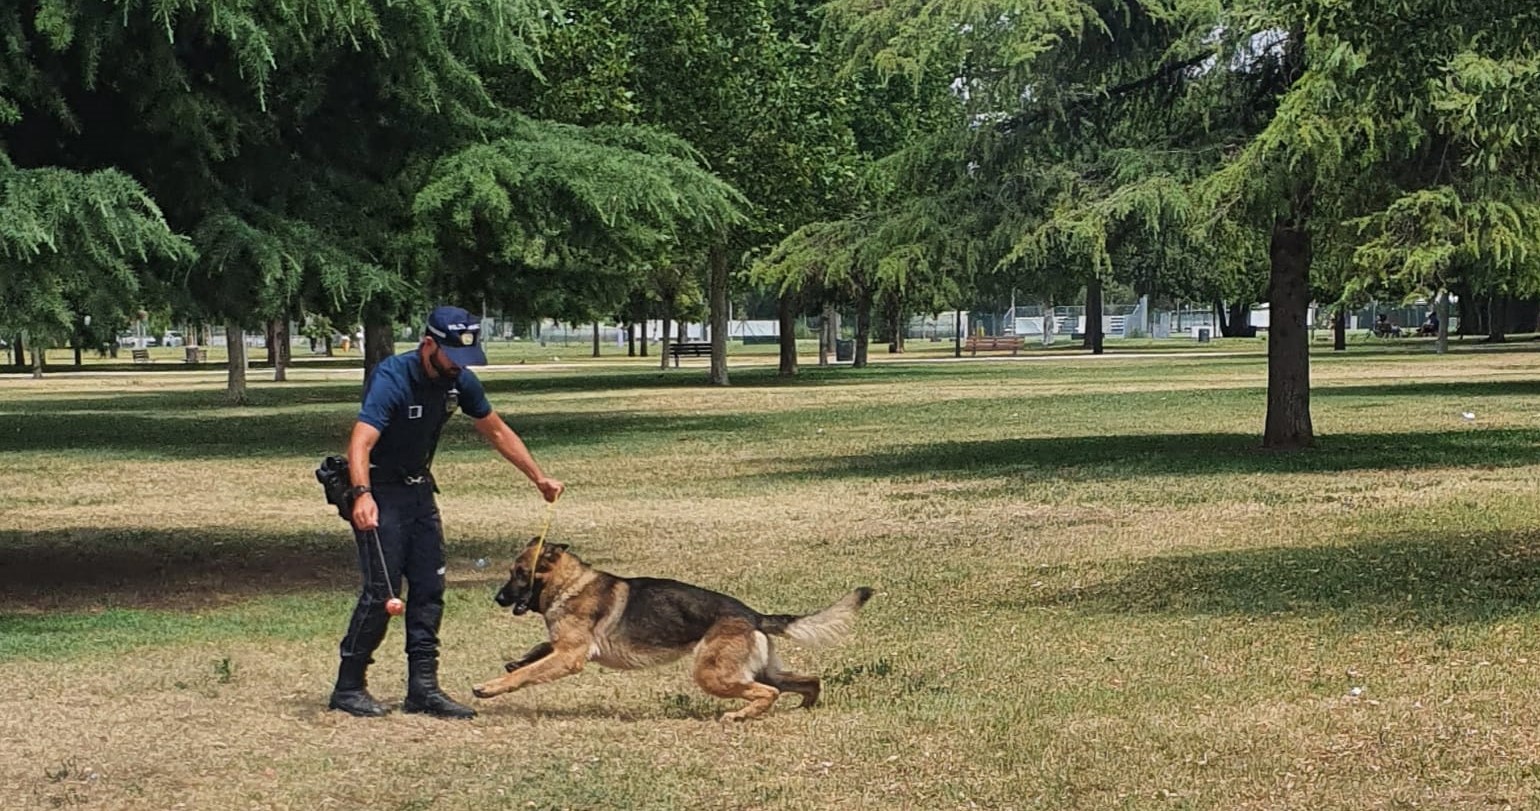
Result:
x=726 y=662
x=806 y=686
x=776 y=675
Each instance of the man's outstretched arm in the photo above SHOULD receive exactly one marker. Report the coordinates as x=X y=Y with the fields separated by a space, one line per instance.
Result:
x=513 y=449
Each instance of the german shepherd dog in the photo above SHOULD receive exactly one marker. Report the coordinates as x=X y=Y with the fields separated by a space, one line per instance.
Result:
x=628 y=623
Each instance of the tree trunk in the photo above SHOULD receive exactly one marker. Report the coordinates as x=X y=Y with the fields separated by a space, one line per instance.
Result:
x=863 y=329
x=890 y=317
x=596 y=339
x=271 y=343
x=235 y=344
x=1093 y=315
x=328 y=345
x=279 y=352
x=1497 y=320
x=1288 y=425
x=1339 y=330
x=379 y=343
x=1234 y=319
x=21 y=353
x=895 y=319
x=826 y=334
x=78 y=340
x=644 y=337
x=957 y=333
x=37 y=359
x=1442 y=308
x=1523 y=314
x=1240 y=320
x=787 y=311
x=1469 y=320
x=631 y=340
x=663 y=344
x=718 y=291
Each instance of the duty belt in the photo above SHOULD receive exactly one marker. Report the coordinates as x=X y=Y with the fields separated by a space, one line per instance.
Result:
x=407 y=477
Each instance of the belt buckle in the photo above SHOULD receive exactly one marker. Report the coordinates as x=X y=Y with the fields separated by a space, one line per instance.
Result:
x=415 y=480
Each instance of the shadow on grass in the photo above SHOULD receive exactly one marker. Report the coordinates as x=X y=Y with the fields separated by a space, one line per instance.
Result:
x=314 y=420
x=1442 y=578
x=502 y=387
x=212 y=435
x=1433 y=389
x=670 y=707
x=1129 y=456
x=344 y=394
x=87 y=569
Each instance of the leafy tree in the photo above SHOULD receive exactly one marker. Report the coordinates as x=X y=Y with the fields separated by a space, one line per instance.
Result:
x=300 y=146
x=745 y=82
x=71 y=244
x=1295 y=121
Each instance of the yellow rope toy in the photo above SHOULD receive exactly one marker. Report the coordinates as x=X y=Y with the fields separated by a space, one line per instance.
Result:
x=550 y=513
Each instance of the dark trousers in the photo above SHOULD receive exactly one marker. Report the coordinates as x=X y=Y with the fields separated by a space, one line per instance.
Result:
x=412 y=540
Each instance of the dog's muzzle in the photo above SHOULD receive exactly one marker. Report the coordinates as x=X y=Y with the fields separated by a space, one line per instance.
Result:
x=519 y=603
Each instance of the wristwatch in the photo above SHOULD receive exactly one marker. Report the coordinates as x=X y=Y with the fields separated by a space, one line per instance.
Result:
x=358 y=490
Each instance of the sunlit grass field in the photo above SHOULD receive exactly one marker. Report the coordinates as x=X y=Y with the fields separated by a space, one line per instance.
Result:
x=1092 y=589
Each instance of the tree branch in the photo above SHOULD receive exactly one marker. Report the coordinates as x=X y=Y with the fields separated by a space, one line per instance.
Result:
x=1025 y=118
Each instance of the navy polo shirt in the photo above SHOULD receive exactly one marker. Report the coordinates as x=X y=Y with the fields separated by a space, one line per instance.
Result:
x=409 y=409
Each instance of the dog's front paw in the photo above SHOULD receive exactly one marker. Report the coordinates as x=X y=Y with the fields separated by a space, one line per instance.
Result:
x=487 y=690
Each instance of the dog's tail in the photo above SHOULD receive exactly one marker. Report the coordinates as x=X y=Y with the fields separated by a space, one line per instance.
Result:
x=827 y=627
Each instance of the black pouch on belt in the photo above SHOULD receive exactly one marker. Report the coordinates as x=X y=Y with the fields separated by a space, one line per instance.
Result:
x=333 y=476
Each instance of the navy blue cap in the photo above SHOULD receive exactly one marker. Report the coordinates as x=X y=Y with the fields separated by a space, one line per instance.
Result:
x=459 y=333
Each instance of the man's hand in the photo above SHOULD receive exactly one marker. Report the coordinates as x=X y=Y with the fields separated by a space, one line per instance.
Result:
x=366 y=514
x=550 y=488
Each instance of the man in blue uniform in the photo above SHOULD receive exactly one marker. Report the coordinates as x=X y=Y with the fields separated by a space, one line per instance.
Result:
x=407 y=400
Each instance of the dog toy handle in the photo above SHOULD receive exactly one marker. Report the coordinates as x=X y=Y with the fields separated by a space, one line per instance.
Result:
x=550 y=513
x=394 y=606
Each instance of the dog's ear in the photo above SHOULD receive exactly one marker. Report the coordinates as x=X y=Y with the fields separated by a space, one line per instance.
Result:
x=552 y=550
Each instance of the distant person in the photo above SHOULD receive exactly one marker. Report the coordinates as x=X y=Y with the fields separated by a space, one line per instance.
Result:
x=1430 y=326
x=1384 y=329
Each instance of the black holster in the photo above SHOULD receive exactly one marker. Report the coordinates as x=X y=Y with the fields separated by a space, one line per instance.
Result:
x=333 y=476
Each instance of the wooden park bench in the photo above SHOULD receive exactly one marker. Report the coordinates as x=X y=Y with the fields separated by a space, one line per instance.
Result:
x=994 y=343
x=197 y=354
x=141 y=355
x=688 y=349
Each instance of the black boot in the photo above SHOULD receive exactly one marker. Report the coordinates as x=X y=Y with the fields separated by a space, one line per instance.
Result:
x=350 y=694
x=423 y=693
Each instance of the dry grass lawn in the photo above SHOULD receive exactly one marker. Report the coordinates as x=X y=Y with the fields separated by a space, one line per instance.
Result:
x=1092 y=591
